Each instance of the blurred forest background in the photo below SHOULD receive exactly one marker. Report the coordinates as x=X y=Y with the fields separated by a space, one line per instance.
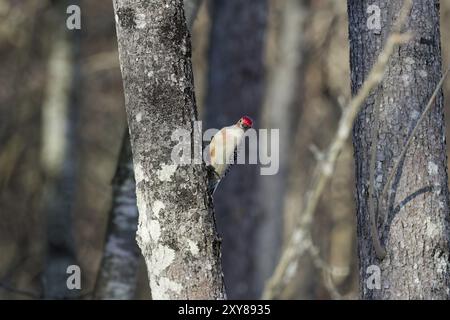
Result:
x=243 y=51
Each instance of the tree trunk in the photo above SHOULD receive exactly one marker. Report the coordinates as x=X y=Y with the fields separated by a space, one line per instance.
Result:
x=415 y=234
x=176 y=231
x=118 y=272
x=59 y=160
x=281 y=110
x=235 y=88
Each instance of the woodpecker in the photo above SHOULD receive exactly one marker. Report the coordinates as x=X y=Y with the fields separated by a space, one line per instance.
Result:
x=223 y=150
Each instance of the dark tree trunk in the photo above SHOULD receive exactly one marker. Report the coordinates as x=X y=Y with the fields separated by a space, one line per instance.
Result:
x=176 y=231
x=236 y=84
x=416 y=232
x=118 y=271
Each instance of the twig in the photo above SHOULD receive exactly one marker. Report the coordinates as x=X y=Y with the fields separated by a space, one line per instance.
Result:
x=324 y=169
x=379 y=249
x=320 y=263
x=413 y=133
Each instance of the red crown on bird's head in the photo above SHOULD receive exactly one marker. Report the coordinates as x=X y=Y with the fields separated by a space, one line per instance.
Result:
x=247 y=121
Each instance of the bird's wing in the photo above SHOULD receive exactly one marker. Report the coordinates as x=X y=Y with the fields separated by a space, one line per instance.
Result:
x=212 y=151
x=218 y=141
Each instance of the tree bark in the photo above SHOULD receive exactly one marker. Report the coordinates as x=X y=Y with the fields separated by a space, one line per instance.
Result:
x=176 y=231
x=415 y=234
x=118 y=271
x=235 y=88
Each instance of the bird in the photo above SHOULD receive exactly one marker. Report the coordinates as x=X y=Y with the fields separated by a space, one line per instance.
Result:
x=222 y=151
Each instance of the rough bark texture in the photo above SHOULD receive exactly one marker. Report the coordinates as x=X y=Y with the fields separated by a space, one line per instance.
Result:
x=236 y=84
x=416 y=232
x=176 y=231
x=119 y=269
x=118 y=272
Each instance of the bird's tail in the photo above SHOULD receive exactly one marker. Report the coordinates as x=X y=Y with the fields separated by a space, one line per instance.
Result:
x=213 y=180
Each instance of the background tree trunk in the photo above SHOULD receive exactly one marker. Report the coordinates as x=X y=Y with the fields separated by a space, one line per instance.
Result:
x=235 y=88
x=118 y=272
x=281 y=110
x=416 y=232
x=191 y=8
x=176 y=231
x=59 y=158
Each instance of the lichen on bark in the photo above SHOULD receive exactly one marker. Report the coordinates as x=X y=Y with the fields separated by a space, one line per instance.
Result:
x=175 y=213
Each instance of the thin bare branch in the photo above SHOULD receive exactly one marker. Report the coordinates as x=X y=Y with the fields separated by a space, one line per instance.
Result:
x=413 y=133
x=325 y=168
